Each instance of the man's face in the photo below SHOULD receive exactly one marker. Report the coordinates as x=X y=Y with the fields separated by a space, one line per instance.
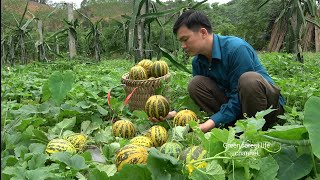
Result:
x=191 y=41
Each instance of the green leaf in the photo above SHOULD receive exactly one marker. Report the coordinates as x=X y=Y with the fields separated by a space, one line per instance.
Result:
x=60 y=84
x=96 y=174
x=102 y=111
x=37 y=148
x=268 y=169
x=140 y=114
x=163 y=167
x=110 y=169
x=87 y=127
x=312 y=123
x=40 y=135
x=75 y=162
x=290 y=132
x=66 y=124
x=42 y=172
x=37 y=161
x=179 y=132
x=213 y=171
x=173 y=60
x=292 y=166
x=20 y=151
x=16 y=172
x=133 y=172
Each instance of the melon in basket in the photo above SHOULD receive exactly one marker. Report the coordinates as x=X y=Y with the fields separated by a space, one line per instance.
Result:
x=138 y=73
x=146 y=64
x=159 y=68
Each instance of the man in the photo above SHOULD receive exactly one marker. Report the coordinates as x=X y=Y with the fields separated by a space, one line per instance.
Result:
x=228 y=78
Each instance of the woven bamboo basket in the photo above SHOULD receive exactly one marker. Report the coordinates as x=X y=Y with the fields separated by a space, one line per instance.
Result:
x=146 y=88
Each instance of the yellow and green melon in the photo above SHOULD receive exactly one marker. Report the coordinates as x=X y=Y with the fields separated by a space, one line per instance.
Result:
x=130 y=154
x=159 y=68
x=78 y=140
x=183 y=117
x=158 y=135
x=124 y=128
x=141 y=141
x=157 y=106
x=192 y=153
x=171 y=148
x=59 y=145
x=138 y=73
x=146 y=64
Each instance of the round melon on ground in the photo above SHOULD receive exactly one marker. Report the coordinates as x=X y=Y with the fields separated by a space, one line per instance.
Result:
x=130 y=154
x=158 y=135
x=124 y=129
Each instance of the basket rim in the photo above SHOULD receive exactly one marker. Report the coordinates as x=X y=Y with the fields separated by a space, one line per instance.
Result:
x=126 y=75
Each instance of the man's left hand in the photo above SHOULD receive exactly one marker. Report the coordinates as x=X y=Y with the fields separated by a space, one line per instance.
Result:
x=207 y=126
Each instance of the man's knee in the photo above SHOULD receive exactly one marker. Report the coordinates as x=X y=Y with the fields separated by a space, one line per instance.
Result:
x=194 y=83
x=249 y=79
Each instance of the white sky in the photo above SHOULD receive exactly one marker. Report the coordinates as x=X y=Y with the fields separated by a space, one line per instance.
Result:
x=78 y=2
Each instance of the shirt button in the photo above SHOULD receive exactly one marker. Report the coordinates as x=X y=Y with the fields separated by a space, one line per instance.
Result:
x=209 y=69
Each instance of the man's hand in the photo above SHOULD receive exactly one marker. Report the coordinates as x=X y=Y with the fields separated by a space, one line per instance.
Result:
x=171 y=115
x=207 y=126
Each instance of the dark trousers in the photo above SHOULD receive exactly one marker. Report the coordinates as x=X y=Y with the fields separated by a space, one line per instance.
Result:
x=255 y=94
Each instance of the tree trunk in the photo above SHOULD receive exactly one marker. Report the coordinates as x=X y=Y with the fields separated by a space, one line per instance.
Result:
x=72 y=39
x=277 y=36
x=140 y=34
x=22 y=50
x=57 y=45
x=96 y=45
x=307 y=40
x=3 y=49
x=317 y=34
x=12 y=52
x=41 y=48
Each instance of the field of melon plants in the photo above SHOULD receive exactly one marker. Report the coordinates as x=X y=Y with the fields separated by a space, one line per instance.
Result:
x=68 y=100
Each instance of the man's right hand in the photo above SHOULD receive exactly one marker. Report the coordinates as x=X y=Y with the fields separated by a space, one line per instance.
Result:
x=170 y=115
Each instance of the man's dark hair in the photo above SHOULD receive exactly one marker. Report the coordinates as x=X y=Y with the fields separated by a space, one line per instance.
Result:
x=193 y=20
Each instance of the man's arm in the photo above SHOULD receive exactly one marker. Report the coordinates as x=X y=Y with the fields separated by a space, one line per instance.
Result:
x=241 y=61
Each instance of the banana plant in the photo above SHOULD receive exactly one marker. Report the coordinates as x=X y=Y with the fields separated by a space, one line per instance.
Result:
x=93 y=36
x=43 y=43
x=18 y=36
x=295 y=14
x=137 y=26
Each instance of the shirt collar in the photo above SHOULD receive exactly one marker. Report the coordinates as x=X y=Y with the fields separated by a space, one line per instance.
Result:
x=216 y=51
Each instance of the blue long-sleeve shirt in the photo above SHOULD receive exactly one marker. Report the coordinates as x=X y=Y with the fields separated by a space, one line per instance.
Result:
x=231 y=57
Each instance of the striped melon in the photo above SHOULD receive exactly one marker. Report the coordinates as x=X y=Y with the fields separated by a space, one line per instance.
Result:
x=192 y=153
x=159 y=68
x=184 y=117
x=59 y=145
x=130 y=154
x=138 y=73
x=141 y=141
x=172 y=149
x=124 y=129
x=77 y=140
x=157 y=106
x=158 y=135
x=146 y=64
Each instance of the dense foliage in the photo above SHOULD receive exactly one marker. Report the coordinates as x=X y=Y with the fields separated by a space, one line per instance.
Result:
x=44 y=101
x=110 y=19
